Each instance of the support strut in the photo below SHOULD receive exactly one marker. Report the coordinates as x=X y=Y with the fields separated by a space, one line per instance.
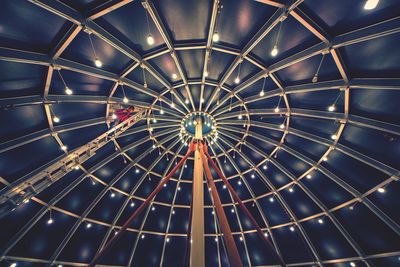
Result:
x=111 y=242
x=233 y=253
x=246 y=211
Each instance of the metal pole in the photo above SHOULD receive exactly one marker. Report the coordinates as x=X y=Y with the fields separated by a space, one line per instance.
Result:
x=111 y=242
x=197 y=254
x=246 y=211
x=233 y=253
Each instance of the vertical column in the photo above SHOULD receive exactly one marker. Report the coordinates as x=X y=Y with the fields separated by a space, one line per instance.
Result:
x=197 y=249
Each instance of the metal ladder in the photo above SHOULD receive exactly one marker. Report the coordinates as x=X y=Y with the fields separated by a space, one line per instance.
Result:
x=23 y=189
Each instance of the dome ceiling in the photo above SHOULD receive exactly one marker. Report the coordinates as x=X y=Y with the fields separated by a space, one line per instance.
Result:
x=301 y=98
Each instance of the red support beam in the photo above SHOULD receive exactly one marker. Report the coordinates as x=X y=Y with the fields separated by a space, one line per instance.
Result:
x=233 y=253
x=111 y=242
x=246 y=211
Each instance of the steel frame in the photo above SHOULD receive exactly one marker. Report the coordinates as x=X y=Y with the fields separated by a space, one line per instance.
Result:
x=332 y=44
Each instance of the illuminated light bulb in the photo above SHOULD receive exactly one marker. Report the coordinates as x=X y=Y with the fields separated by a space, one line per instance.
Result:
x=154 y=120
x=161 y=111
x=112 y=194
x=291 y=190
x=68 y=91
x=241 y=239
x=202 y=100
x=137 y=170
x=334 y=136
x=56 y=119
x=216 y=239
x=315 y=78
x=206 y=74
x=271 y=199
x=50 y=221
x=215 y=37
x=282 y=126
x=291 y=228
x=237 y=80
x=371 y=4
x=150 y=39
x=125 y=100
x=308 y=176
x=142 y=236
x=173 y=212
x=165 y=185
x=266 y=234
x=253 y=176
x=352 y=264
x=265 y=167
x=185 y=166
x=26 y=200
x=232 y=211
x=239 y=182
x=167 y=240
x=174 y=76
x=172 y=105
x=262 y=93
x=213 y=212
x=320 y=221
x=98 y=63
x=153 y=208
x=13 y=264
x=186 y=101
x=190 y=123
x=64 y=147
x=59 y=265
x=77 y=167
x=274 y=51
x=154 y=146
x=325 y=159
x=240 y=117
x=132 y=204
x=88 y=225
x=224 y=186
x=179 y=188
x=381 y=190
x=332 y=108
x=276 y=110
x=113 y=116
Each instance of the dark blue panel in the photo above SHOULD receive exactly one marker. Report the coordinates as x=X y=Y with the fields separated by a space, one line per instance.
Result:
x=157 y=219
x=174 y=251
x=179 y=221
x=72 y=112
x=273 y=211
x=148 y=251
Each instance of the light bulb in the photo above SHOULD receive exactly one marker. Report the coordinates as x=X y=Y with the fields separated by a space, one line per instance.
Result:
x=137 y=171
x=352 y=264
x=132 y=204
x=232 y=211
x=291 y=190
x=241 y=238
x=215 y=37
x=371 y=4
x=206 y=74
x=190 y=123
x=77 y=167
x=113 y=116
x=276 y=110
x=50 y=221
x=325 y=159
x=68 y=91
x=240 y=117
x=332 y=108
x=174 y=76
x=56 y=119
x=239 y=182
x=253 y=176
x=320 y=221
x=179 y=188
x=262 y=93
x=153 y=208
x=126 y=100
x=381 y=190
x=64 y=147
x=216 y=239
x=172 y=105
x=202 y=100
x=161 y=111
x=334 y=136
x=112 y=194
x=308 y=176
x=282 y=126
x=237 y=80
x=142 y=236
x=13 y=264
x=265 y=167
x=98 y=63
x=154 y=146
x=186 y=101
x=315 y=78
x=167 y=240
x=291 y=228
x=266 y=234
x=224 y=186
x=88 y=225
x=150 y=39
x=271 y=199
x=274 y=51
